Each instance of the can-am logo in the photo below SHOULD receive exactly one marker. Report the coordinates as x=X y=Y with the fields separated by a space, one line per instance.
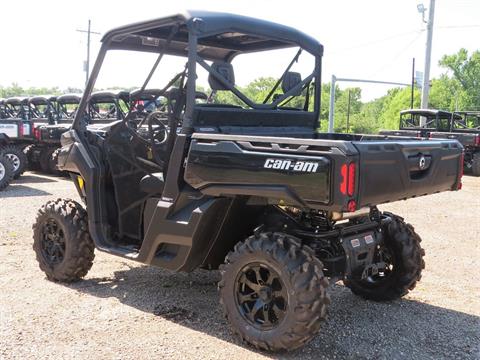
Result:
x=291 y=165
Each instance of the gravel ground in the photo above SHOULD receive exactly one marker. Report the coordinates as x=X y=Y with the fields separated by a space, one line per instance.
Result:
x=124 y=310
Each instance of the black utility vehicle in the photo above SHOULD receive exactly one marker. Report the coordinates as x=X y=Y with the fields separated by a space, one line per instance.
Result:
x=410 y=122
x=251 y=189
x=16 y=131
x=58 y=118
x=465 y=127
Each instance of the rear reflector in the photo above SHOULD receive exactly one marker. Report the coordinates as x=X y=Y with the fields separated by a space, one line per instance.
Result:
x=352 y=206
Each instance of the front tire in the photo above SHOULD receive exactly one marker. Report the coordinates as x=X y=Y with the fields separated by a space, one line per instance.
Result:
x=273 y=292
x=6 y=171
x=61 y=241
x=404 y=255
x=18 y=159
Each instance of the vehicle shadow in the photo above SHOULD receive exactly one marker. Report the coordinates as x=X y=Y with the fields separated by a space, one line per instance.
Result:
x=355 y=329
x=33 y=177
x=18 y=190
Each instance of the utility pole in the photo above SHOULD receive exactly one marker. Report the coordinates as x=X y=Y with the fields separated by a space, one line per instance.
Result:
x=87 y=62
x=348 y=112
x=412 y=91
x=428 y=56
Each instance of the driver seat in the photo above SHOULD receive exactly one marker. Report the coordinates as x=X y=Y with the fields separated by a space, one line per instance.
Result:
x=152 y=183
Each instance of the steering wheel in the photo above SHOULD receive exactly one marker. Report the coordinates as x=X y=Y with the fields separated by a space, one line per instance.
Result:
x=157 y=129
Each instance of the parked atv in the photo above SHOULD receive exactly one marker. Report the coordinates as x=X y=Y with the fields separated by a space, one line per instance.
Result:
x=410 y=122
x=58 y=118
x=17 y=132
x=251 y=189
x=465 y=127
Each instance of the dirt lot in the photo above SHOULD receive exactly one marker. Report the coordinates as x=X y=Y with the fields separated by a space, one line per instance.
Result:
x=123 y=310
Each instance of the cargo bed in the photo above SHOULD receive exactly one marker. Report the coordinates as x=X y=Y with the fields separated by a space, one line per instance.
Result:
x=323 y=173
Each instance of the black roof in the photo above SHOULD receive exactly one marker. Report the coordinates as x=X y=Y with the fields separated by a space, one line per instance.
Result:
x=107 y=95
x=39 y=99
x=430 y=112
x=69 y=98
x=17 y=100
x=221 y=36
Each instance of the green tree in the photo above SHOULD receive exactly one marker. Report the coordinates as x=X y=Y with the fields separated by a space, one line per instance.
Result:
x=466 y=72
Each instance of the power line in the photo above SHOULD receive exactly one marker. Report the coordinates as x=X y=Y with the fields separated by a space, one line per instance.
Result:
x=394 y=58
x=376 y=41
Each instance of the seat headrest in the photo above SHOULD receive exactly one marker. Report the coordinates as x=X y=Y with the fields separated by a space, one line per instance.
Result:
x=226 y=70
x=290 y=80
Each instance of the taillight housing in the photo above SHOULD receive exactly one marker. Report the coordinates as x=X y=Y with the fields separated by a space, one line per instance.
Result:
x=20 y=129
x=348 y=174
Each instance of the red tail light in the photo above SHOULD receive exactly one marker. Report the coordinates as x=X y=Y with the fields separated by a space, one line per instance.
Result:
x=351 y=179
x=343 y=184
x=477 y=140
x=20 y=129
x=36 y=133
x=347 y=184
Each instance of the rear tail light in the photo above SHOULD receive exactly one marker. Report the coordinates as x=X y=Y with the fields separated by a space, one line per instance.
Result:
x=343 y=184
x=347 y=184
x=351 y=179
x=20 y=129
x=477 y=140
x=36 y=133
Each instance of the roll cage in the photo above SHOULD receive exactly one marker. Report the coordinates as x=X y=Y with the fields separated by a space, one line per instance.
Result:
x=469 y=121
x=216 y=37
x=436 y=119
x=42 y=107
x=116 y=101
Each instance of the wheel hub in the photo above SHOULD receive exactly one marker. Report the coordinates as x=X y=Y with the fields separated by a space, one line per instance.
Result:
x=15 y=161
x=53 y=242
x=261 y=296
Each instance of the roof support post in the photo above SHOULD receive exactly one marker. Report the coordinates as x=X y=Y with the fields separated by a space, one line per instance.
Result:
x=187 y=127
x=332 y=104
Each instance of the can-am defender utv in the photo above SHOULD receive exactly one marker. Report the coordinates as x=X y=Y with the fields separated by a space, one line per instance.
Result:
x=410 y=122
x=42 y=155
x=16 y=129
x=251 y=189
x=465 y=127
